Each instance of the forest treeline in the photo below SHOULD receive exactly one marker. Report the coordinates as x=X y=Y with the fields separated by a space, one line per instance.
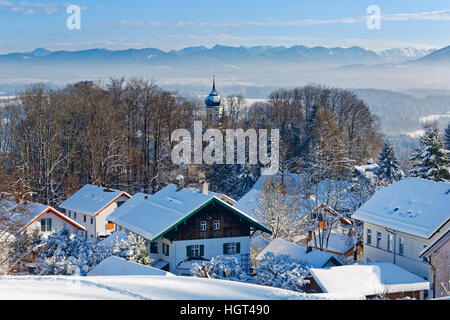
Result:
x=117 y=134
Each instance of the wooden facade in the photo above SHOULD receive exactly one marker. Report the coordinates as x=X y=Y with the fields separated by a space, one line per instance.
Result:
x=230 y=225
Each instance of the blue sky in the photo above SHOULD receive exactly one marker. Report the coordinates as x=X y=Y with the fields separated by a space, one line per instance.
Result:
x=175 y=24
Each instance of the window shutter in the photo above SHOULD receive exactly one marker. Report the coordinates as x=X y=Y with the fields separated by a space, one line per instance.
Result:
x=188 y=251
x=238 y=247
x=202 y=250
x=225 y=248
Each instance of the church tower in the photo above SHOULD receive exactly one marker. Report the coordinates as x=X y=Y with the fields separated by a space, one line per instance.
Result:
x=213 y=104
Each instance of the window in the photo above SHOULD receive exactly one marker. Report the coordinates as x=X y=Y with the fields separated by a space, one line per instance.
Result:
x=369 y=236
x=165 y=247
x=69 y=215
x=92 y=220
x=154 y=247
x=390 y=242
x=46 y=225
x=196 y=250
x=401 y=246
x=231 y=248
x=74 y=215
x=216 y=225
x=84 y=218
x=202 y=225
x=378 y=239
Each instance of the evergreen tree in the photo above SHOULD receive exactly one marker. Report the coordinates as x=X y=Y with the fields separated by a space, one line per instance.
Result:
x=431 y=160
x=389 y=169
x=133 y=248
x=447 y=137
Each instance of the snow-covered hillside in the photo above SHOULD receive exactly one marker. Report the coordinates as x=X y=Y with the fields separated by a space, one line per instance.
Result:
x=142 y=287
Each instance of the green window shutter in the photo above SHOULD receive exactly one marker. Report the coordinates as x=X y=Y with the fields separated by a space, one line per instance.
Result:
x=225 y=248
x=188 y=251
x=238 y=247
x=202 y=250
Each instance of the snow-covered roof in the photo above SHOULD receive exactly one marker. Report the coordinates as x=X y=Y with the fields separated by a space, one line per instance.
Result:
x=339 y=243
x=90 y=199
x=115 y=266
x=25 y=212
x=315 y=258
x=291 y=181
x=413 y=205
x=110 y=241
x=152 y=215
x=249 y=203
x=368 y=279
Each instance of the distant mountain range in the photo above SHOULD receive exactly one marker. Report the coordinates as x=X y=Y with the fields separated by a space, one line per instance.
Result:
x=226 y=54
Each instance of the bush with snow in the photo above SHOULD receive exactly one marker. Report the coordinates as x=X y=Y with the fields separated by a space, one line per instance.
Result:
x=220 y=267
x=281 y=271
x=134 y=248
x=64 y=253
x=69 y=254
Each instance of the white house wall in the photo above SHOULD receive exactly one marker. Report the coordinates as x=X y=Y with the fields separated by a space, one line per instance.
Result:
x=213 y=248
x=98 y=227
x=57 y=224
x=413 y=246
x=102 y=218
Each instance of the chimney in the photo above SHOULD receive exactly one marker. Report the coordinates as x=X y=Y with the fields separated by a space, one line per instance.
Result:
x=203 y=186
x=180 y=182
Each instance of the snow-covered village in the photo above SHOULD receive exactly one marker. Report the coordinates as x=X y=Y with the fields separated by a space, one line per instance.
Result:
x=224 y=173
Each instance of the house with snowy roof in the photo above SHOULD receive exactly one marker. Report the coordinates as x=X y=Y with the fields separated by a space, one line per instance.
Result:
x=312 y=258
x=378 y=280
x=437 y=254
x=186 y=224
x=33 y=216
x=91 y=205
x=402 y=219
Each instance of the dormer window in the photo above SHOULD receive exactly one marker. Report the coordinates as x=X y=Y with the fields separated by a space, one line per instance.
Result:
x=202 y=225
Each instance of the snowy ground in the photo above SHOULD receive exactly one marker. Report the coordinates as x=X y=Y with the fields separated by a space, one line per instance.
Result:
x=140 y=287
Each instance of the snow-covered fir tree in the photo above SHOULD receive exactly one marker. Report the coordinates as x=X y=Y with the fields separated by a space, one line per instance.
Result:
x=389 y=169
x=447 y=137
x=68 y=254
x=134 y=248
x=431 y=159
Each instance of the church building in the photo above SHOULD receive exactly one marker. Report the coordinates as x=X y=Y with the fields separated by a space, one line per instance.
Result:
x=213 y=104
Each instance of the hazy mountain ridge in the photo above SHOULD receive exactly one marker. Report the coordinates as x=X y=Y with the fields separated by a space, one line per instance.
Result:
x=298 y=54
